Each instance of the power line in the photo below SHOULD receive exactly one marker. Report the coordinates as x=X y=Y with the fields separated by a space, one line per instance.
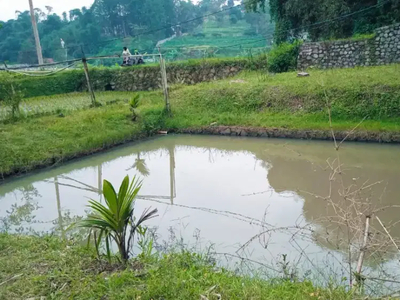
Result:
x=170 y=25
x=236 y=6
x=152 y=30
x=321 y=23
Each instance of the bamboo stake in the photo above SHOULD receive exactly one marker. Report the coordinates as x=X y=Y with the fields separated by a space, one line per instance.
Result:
x=164 y=82
x=86 y=69
x=363 y=248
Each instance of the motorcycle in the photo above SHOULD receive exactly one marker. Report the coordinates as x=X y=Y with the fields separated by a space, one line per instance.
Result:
x=136 y=59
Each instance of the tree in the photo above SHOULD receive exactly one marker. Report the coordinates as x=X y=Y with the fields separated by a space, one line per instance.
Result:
x=297 y=18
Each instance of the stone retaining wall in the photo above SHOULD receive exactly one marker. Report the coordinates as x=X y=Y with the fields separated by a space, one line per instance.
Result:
x=360 y=136
x=136 y=78
x=149 y=78
x=383 y=48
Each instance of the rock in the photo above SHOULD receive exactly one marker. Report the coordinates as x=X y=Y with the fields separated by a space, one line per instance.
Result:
x=237 y=81
x=227 y=131
x=303 y=74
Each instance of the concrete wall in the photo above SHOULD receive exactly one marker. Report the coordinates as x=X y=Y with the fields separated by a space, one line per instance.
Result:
x=383 y=48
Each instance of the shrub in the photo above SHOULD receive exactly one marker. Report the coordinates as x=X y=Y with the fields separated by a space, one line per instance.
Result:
x=153 y=120
x=12 y=98
x=283 y=58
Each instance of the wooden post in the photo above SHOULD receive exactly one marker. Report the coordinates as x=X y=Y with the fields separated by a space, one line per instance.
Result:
x=86 y=69
x=164 y=82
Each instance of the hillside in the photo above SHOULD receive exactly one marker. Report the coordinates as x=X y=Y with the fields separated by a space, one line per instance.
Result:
x=219 y=39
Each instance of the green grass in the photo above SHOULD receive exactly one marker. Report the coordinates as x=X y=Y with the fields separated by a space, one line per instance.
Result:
x=50 y=139
x=55 y=269
x=357 y=37
x=250 y=99
x=283 y=100
x=63 y=103
x=221 y=36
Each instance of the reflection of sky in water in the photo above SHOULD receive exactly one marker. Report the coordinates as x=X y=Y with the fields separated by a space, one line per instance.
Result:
x=215 y=187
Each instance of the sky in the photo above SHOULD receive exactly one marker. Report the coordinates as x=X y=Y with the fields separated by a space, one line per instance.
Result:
x=8 y=7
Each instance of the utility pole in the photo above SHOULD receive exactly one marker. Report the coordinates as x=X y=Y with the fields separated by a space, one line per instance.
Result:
x=36 y=34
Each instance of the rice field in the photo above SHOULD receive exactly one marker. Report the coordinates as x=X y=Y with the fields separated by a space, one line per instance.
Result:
x=57 y=104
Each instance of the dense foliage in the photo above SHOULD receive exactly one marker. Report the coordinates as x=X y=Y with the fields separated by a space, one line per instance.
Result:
x=324 y=19
x=283 y=58
x=108 y=25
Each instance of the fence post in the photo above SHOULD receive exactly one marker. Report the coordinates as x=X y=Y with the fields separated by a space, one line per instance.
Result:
x=164 y=82
x=86 y=69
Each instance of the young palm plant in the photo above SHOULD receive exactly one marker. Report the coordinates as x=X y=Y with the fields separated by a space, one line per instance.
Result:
x=133 y=104
x=115 y=220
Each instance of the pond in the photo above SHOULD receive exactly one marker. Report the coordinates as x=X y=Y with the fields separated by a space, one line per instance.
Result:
x=262 y=201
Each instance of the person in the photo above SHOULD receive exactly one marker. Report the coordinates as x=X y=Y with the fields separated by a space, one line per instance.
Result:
x=125 y=55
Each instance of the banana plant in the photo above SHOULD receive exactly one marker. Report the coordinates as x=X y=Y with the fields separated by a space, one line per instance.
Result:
x=115 y=221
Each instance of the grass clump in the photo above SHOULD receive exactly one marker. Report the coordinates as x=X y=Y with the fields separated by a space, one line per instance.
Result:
x=55 y=269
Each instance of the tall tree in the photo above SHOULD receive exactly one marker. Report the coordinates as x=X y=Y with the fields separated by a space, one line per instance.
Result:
x=322 y=19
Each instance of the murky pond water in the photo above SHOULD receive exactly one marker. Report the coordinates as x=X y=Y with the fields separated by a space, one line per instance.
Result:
x=225 y=192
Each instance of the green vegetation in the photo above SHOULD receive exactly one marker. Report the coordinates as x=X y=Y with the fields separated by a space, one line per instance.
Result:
x=74 y=80
x=222 y=39
x=109 y=25
x=115 y=221
x=60 y=104
x=48 y=140
x=251 y=99
x=283 y=58
x=134 y=103
x=357 y=37
x=55 y=269
x=341 y=19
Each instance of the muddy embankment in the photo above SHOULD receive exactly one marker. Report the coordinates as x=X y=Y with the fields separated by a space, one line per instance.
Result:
x=359 y=136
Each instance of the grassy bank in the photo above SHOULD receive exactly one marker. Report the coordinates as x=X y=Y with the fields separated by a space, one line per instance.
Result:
x=32 y=267
x=251 y=99
x=48 y=140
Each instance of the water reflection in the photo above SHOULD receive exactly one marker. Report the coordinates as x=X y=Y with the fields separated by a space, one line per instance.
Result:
x=140 y=166
x=230 y=189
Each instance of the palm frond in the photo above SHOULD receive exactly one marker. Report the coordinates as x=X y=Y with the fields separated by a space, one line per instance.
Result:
x=110 y=222
x=146 y=215
x=110 y=196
